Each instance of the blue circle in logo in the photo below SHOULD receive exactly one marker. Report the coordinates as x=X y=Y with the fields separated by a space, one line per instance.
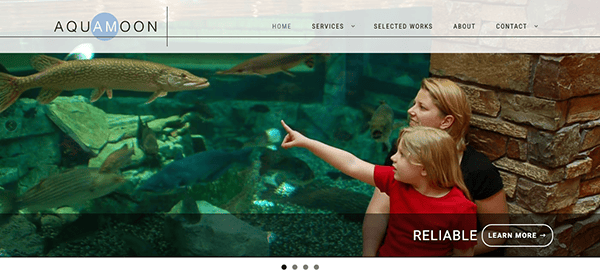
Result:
x=105 y=26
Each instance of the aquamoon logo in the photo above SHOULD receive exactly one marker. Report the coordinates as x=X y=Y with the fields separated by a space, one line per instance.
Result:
x=105 y=26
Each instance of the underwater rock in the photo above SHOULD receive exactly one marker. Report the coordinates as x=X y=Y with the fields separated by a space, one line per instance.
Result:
x=172 y=148
x=126 y=126
x=116 y=120
x=123 y=126
x=260 y=108
x=71 y=152
x=135 y=177
x=30 y=152
x=51 y=225
x=67 y=214
x=217 y=234
x=199 y=143
x=158 y=125
x=137 y=246
x=80 y=120
x=8 y=175
x=25 y=118
x=19 y=238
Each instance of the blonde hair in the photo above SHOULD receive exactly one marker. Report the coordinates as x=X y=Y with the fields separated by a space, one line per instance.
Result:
x=435 y=149
x=451 y=100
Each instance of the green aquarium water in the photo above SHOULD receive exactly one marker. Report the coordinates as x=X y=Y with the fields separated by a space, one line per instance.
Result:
x=195 y=172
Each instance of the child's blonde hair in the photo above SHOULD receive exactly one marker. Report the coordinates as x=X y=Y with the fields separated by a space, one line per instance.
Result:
x=451 y=100
x=435 y=149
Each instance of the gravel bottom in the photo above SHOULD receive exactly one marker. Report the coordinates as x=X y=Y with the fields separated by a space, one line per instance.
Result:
x=295 y=233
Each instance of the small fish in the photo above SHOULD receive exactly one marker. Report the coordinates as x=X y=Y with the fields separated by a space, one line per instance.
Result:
x=201 y=167
x=102 y=74
x=270 y=64
x=71 y=187
x=267 y=139
x=146 y=138
x=382 y=124
x=117 y=160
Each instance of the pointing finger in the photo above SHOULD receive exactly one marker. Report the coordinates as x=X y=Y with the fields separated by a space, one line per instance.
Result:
x=286 y=127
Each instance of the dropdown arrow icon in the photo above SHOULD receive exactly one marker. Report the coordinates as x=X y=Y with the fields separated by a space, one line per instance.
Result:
x=535 y=25
x=352 y=25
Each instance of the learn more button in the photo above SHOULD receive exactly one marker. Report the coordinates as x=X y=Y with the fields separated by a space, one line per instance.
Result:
x=519 y=235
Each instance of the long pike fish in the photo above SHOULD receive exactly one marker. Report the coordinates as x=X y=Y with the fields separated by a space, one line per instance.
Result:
x=104 y=75
x=269 y=64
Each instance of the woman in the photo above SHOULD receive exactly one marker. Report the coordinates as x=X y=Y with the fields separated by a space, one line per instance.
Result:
x=440 y=103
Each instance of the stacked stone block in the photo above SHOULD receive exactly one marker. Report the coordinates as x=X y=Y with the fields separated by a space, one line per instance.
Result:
x=537 y=117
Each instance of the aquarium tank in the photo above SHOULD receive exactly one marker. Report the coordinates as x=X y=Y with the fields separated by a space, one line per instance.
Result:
x=179 y=154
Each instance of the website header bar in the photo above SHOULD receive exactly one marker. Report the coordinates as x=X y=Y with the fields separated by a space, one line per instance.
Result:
x=301 y=26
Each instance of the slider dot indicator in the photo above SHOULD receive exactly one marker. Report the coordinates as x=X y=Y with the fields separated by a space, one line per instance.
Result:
x=283 y=266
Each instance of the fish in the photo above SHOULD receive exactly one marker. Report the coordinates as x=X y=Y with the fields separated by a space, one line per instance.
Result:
x=267 y=139
x=104 y=75
x=382 y=124
x=68 y=188
x=270 y=63
x=201 y=167
x=117 y=160
x=146 y=138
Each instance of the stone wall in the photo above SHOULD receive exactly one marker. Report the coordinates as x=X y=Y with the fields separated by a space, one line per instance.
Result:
x=537 y=117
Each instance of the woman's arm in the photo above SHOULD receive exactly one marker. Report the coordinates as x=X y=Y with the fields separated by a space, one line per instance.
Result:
x=492 y=210
x=375 y=223
x=337 y=158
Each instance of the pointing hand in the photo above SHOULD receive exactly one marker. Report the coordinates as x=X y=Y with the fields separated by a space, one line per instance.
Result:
x=293 y=138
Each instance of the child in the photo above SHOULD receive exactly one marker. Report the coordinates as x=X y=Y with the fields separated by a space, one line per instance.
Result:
x=430 y=210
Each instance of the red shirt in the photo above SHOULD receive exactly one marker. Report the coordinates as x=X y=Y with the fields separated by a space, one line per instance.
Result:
x=420 y=225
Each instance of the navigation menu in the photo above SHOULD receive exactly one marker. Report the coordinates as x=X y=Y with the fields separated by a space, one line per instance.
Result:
x=328 y=26
x=511 y=26
x=402 y=25
x=464 y=26
x=281 y=26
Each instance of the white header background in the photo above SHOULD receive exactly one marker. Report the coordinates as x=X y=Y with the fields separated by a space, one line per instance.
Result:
x=210 y=26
